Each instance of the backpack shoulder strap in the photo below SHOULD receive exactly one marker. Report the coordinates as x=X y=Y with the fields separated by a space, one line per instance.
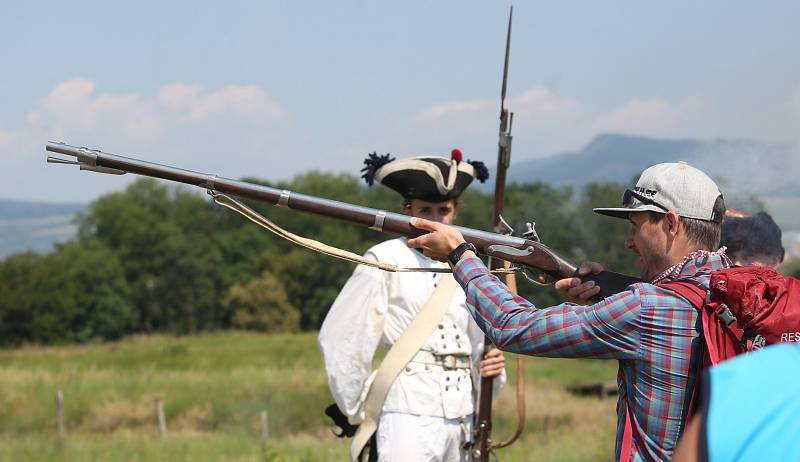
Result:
x=697 y=295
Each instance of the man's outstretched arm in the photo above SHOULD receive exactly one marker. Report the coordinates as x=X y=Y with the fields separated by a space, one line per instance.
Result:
x=603 y=330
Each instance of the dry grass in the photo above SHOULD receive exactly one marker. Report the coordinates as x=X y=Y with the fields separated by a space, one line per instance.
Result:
x=112 y=415
x=214 y=387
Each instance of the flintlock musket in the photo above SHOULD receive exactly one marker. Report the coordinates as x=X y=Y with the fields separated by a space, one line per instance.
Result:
x=523 y=252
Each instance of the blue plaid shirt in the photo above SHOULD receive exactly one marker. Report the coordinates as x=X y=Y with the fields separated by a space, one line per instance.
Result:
x=654 y=333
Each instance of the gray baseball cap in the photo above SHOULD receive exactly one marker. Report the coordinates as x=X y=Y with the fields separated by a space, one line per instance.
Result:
x=669 y=186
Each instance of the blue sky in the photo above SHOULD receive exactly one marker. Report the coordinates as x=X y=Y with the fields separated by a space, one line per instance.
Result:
x=272 y=89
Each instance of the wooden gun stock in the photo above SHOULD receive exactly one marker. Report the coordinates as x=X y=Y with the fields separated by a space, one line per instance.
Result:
x=610 y=283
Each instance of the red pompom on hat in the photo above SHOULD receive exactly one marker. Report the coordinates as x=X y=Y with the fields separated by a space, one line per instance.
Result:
x=455 y=154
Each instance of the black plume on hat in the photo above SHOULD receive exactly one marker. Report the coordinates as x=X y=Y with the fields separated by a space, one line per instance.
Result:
x=372 y=163
x=481 y=172
x=430 y=178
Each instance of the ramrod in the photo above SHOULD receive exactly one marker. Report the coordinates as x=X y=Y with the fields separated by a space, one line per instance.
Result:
x=522 y=252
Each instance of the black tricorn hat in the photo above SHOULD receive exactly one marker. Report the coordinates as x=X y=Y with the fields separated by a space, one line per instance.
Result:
x=430 y=178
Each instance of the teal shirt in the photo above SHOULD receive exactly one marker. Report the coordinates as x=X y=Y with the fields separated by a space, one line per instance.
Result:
x=754 y=407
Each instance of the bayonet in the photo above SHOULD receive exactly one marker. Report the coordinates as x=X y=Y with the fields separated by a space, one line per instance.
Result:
x=482 y=444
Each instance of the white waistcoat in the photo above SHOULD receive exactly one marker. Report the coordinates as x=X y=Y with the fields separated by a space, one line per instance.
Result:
x=373 y=309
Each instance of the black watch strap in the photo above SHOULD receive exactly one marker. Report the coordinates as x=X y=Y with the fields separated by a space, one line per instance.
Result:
x=456 y=254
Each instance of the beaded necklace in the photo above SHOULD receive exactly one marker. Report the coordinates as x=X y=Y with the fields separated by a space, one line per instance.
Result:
x=674 y=271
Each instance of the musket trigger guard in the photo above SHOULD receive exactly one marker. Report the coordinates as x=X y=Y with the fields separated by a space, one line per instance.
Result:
x=283 y=201
x=380 y=217
x=534 y=281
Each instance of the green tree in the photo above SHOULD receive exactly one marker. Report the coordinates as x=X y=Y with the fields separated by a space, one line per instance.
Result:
x=93 y=276
x=791 y=268
x=475 y=210
x=553 y=212
x=78 y=293
x=262 y=305
x=165 y=239
x=26 y=313
x=603 y=238
x=312 y=280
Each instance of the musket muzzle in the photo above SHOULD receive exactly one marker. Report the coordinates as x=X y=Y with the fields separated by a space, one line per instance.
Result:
x=87 y=158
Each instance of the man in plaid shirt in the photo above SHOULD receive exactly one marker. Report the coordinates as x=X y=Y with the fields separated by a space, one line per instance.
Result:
x=675 y=212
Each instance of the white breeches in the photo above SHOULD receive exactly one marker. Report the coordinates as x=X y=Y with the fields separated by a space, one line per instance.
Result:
x=407 y=437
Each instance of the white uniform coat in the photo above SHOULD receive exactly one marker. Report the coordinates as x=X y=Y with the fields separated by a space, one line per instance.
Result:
x=373 y=309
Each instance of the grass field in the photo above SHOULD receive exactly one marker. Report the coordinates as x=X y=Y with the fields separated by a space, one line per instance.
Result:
x=214 y=387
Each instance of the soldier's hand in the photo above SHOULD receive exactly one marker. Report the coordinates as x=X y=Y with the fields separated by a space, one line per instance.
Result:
x=577 y=291
x=493 y=363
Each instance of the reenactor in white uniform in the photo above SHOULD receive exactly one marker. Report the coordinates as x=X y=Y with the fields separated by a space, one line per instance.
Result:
x=427 y=411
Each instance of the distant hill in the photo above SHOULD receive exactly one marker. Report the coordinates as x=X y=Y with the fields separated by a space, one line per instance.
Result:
x=36 y=226
x=740 y=167
x=743 y=169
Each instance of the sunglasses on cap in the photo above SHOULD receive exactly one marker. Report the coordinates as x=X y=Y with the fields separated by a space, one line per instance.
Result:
x=629 y=196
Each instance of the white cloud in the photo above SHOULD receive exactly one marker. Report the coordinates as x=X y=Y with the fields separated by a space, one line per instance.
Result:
x=534 y=102
x=179 y=95
x=654 y=117
x=240 y=130
x=540 y=114
x=75 y=106
x=451 y=109
x=546 y=122
x=248 y=101
x=5 y=138
x=543 y=102
x=177 y=122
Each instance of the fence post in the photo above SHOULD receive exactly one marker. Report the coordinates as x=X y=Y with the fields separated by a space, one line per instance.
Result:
x=546 y=426
x=264 y=417
x=160 y=419
x=60 y=420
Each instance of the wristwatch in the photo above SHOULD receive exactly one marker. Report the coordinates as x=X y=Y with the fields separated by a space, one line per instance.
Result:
x=456 y=254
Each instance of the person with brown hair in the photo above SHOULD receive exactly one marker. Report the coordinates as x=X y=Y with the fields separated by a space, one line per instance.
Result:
x=675 y=213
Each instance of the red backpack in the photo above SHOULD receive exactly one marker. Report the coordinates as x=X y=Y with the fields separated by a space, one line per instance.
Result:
x=745 y=308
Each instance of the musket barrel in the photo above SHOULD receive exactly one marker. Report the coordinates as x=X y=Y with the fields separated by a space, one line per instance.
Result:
x=62 y=148
x=394 y=223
